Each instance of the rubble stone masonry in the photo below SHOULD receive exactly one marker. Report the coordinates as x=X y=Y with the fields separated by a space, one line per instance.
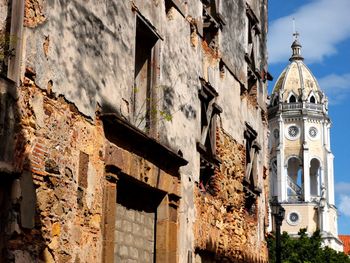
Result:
x=66 y=210
x=223 y=225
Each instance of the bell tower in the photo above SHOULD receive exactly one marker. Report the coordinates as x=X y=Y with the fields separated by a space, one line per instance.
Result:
x=301 y=160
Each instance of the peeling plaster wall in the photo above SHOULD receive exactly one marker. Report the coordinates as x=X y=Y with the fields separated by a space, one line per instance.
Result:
x=90 y=55
x=234 y=36
x=78 y=58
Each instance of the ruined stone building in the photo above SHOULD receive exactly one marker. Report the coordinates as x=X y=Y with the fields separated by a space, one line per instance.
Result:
x=133 y=131
x=301 y=158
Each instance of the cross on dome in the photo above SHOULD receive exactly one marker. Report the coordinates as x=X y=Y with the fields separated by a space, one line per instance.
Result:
x=296 y=35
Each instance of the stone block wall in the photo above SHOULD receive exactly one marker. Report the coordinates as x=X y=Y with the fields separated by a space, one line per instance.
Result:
x=135 y=232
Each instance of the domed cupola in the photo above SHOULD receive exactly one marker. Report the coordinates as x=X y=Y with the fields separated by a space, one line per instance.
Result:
x=297 y=84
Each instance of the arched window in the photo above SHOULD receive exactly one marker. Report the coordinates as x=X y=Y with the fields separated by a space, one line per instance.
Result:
x=292 y=99
x=315 y=177
x=312 y=99
x=295 y=179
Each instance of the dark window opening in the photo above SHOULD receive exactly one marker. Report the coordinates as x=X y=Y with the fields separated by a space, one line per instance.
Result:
x=253 y=77
x=312 y=99
x=210 y=7
x=144 y=74
x=210 y=31
x=212 y=22
x=207 y=144
x=206 y=172
x=250 y=202
x=292 y=99
x=275 y=101
x=206 y=256
x=250 y=183
x=147 y=199
x=6 y=206
x=252 y=85
x=251 y=44
x=253 y=31
x=168 y=6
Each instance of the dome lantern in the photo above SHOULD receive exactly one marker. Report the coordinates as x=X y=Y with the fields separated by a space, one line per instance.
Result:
x=296 y=48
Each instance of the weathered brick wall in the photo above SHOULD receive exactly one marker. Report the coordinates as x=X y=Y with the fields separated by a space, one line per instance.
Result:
x=223 y=226
x=134 y=236
x=56 y=214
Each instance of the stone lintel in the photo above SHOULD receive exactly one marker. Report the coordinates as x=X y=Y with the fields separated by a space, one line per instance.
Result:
x=139 y=168
x=128 y=137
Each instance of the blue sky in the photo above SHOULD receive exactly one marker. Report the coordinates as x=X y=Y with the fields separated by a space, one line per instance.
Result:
x=324 y=28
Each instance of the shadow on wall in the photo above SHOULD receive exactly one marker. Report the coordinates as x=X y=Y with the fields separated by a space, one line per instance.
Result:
x=87 y=56
x=20 y=237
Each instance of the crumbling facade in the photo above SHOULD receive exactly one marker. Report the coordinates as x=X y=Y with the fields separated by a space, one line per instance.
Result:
x=133 y=131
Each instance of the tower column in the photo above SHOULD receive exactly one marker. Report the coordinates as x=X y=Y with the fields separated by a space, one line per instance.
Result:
x=328 y=137
x=324 y=218
x=306 y=164
x=323 y=137
x=306 y=175
x=281 y=173
x=284 y=183
x=330 y=179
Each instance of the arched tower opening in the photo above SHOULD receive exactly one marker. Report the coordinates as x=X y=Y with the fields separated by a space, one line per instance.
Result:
x=295 y=179
x=312 y=99
x=315 y=168
x=292 y=99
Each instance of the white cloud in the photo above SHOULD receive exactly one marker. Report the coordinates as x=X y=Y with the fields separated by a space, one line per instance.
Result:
x=344 y=205
x=337 y=87
x=322 y=24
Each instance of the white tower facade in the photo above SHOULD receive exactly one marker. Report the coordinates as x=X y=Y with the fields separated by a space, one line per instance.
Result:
x=301 y=164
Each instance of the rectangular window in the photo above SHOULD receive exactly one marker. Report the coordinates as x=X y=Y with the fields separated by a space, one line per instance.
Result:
x=253 y=76
x=212 y=22
x=146 y=40
x=250 y=183
x=207 y=144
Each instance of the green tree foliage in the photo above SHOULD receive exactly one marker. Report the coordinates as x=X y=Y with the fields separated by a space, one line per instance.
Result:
x=304 y=249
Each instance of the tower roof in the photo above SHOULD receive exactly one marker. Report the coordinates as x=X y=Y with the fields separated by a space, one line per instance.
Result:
x=296 y=77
